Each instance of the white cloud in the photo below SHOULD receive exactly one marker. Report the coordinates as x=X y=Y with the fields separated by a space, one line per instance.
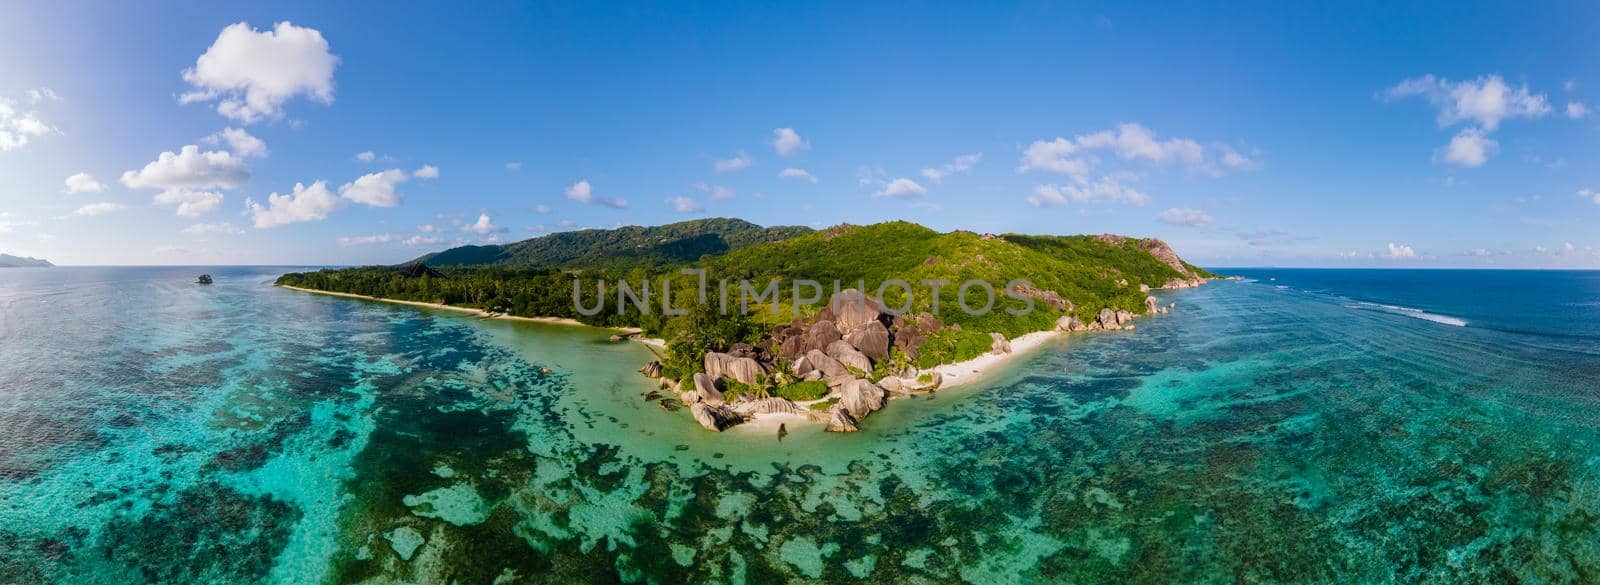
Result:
x=426 y=172
x=541 y=209
x=365 y=240
x=582 y=192
x=16 y=129
x=685 y=205
x=1055 y=156
x=98 y=208
x=304 y=204
x=787 y=142
x=1469 y=148
x=1185 y=217
x=84 y=183
x=375 y=189
x=565 y=223
x=481 y=227
x=189 y=178
x=901 y=188
x=428 y=228
x=190 y=202
x=1486 y=101
x=1401 y=252
x=1590 y=194
x=1106 y=190
x=1576 y=110
x=42 y=94
x=422 y=241
x=717 y=192
x=796 y=173
x=366 y=156
x=1133 y=143
x=1568 y=248
x=240 y=142
x=514 y=166
x=253 y=73
x=205 y=229
x=960 y=164
x=739 y=161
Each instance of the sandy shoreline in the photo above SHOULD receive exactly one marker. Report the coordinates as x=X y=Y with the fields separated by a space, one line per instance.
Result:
x=478 y=312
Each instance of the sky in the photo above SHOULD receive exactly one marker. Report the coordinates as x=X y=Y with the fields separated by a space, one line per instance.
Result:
x=1262 y=134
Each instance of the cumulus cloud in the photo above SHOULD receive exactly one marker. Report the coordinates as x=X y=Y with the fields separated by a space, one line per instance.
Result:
x=514 y=166
x=189 y=178
x=739 y=162
x=312 y=203
x=98 y=208
x=365 y=240
x=961 y=164
x=481 y=227
x=251 y=73
x=1590 y=194
x=1468 y=148
x=206 y=229
x=375 y=189
x=84 y=183
x=366 y=156
x=1401 y=252
x=1185 y=217
x=426 y=172
x=240 y=142
x=583 y=193
x=190 y=202
x=796 y=173
x=685 y=205
x=17 y=128
x=1077 y=157
x=422 y=241
x=1576 y=110
x=541 y=209
x=1105 y=190
x=1485 y=101
x=901 y=188
x=787 y=142
x=717 y=192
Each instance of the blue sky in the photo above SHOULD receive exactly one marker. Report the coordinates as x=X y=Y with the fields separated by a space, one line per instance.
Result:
x=1348 y=135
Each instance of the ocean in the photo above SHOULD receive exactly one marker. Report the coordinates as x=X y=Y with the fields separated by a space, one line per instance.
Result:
x=1296 y=426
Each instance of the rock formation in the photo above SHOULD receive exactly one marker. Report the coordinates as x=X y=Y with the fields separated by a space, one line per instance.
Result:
x=840 y=421
x=999 y=344
x=714 y=418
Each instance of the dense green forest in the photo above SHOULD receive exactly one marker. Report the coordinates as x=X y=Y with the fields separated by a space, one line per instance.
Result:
x=539 y=277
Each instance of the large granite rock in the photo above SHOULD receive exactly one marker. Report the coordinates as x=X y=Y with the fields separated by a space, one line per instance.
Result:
x=816 y=360
x=1070 y=323
x=909 y=332
x=819 y=336
x=840 y=421
x=651 y=370
x=707 y=388
x=871 y=339
x=1124 y=317
x=714 y=418
x=848 y=355
x=861 y=398
x=1107 y=319
x=769 y=405
x=1150 y=305
x=851 y=309
x=998 y=344
x=743 y=369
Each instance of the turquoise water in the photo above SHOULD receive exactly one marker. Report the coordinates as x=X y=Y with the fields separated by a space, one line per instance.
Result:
x=1303 y=426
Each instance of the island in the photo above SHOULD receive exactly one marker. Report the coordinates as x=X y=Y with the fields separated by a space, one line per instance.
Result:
x=9 y=261
x=752 y=323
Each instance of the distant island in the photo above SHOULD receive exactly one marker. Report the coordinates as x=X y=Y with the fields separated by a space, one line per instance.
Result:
x=792 y=324
x=9 y=261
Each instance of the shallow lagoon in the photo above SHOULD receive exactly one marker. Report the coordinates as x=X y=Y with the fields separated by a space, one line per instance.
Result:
x=153 y=430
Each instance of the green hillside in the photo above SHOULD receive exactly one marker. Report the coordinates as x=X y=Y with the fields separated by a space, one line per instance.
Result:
x=621 y=248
